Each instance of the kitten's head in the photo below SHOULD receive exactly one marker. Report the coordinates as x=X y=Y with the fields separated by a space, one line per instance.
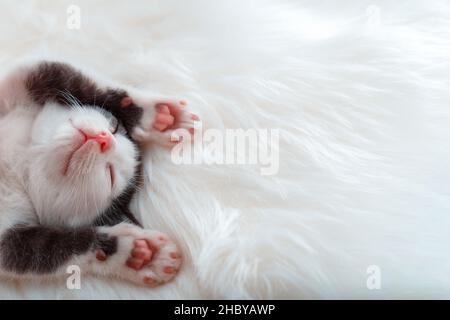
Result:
x=81 y=159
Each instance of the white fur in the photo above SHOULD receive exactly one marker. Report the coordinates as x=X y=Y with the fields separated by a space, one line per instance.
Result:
x=360 y=91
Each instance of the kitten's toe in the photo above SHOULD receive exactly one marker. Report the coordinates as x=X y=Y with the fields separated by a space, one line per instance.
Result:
x=126 y=102
x=150 y=280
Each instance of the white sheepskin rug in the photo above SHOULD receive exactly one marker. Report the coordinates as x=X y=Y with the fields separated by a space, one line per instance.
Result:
x=359 y=91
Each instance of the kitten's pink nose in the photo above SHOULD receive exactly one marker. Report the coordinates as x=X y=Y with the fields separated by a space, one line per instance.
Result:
x=104 y=139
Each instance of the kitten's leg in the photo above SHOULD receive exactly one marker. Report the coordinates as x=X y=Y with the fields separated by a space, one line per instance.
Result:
x=145 y=117
x=125 y=251
x=40 y=250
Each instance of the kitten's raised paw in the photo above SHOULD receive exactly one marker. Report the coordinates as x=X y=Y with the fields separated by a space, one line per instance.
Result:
x=160 y=120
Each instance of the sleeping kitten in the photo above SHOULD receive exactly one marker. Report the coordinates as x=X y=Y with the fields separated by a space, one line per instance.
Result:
x=69 y=167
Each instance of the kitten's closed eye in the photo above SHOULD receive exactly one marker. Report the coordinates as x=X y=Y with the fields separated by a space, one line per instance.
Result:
x=114 y=125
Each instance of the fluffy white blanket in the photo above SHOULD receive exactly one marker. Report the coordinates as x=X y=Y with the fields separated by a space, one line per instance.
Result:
x=360 y=207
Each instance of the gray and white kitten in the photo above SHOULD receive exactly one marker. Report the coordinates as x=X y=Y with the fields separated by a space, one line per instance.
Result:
x=69 y=167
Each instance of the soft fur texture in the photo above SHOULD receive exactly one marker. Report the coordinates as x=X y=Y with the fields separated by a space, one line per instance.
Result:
x=359 y=90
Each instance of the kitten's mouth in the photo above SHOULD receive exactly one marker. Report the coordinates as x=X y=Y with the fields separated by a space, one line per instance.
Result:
x=80 y=145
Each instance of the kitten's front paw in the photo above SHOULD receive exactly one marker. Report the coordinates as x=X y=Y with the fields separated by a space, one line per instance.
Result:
x=160 y=120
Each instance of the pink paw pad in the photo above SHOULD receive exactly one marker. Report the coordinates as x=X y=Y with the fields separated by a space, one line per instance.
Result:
x=150 y=281
x=169 y=270
x=100 y=255
x=126 y=102
x=164 y=118
x=141 y=255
